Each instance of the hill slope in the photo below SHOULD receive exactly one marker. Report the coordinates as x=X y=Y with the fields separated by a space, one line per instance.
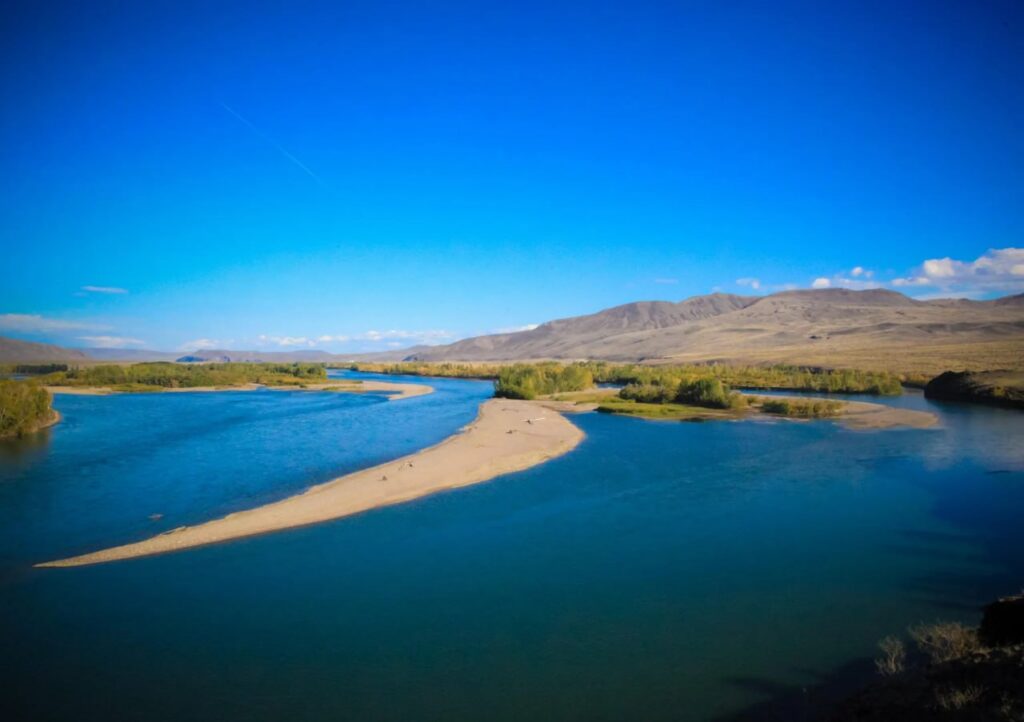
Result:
x=13 y=351
x=829 y=327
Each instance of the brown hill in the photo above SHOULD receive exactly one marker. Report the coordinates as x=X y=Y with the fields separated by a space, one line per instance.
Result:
x=13 y=351
x=828 y=327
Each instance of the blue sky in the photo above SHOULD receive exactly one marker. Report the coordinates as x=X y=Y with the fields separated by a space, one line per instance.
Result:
x=357 y=175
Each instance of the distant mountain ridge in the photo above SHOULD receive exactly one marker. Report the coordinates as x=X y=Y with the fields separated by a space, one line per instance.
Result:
x=828 y=327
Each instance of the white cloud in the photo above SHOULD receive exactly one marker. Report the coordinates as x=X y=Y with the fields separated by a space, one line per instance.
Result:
x=435 y=336
x=666 y=281
x=998 y=269
x=751 y=282
x=112 y=341
x=389 y=337
x=104 y=289
x=203 y=343
x=516 y=329
x=857 y=278
x=25 y=322
x=286 y=340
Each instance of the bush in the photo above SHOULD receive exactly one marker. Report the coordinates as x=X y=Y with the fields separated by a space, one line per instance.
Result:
x=893 y=659
x=802 y=409
x=648 y=393
x=945 y=641
x=24 y=407
x=528 y=381
x=709 y=392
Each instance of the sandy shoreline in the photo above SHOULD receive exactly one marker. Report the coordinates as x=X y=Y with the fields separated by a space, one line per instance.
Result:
x=396 y=390
x=865 y=415
x=506 y=436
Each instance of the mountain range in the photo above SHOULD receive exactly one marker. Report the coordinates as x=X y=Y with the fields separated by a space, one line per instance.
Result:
x=827 y=327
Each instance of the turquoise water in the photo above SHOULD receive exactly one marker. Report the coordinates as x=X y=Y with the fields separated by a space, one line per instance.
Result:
x=662 y=571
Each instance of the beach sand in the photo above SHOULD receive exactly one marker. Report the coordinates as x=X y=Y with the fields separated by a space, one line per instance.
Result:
x=865 y=415
x=506 y=436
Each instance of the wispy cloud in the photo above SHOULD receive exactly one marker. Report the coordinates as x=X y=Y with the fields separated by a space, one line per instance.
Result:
x=390 y=336
x=34 y=323
x=286 y=340
x=429 y=336
x=112 y=341
x=112 y=290
x=203 y=343
x=281 y=149
x=749 y=282
x=516 y=329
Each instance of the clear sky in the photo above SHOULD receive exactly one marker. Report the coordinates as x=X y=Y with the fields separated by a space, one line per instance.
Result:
x=267 y=175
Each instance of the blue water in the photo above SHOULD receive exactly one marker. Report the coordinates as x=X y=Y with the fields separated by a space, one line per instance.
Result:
x=661 y=571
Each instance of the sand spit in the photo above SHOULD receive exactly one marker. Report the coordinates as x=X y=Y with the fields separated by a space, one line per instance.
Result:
x=396 y=391
x=865 y=415
x=507 y=436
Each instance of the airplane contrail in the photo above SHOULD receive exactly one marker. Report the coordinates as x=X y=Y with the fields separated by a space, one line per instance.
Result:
x=282 y=149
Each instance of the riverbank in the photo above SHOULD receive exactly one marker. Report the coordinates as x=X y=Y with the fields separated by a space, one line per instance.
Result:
x=506 y=436
x=395 y=390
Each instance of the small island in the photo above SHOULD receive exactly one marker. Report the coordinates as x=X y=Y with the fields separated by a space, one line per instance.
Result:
x=165 y=377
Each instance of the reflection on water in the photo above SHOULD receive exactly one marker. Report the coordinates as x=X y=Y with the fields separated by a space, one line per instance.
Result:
x=21 y=452
x=661 y=571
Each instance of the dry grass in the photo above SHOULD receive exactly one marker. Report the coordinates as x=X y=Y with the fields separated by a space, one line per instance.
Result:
x=957 y=698
x=894 y=657
x=945 y=641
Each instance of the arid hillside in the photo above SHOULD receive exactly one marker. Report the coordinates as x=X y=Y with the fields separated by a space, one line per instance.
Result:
x=834 y=327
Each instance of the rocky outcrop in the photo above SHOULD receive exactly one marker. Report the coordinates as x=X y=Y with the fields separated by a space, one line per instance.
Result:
x=1003 y=622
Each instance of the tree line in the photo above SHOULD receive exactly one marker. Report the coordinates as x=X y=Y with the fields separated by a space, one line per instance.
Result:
x=167 y=375
x=777 y=377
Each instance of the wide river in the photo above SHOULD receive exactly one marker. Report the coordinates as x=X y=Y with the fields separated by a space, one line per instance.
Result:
x=661 y=571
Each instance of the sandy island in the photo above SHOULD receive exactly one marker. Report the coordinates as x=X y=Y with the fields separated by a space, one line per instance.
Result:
x=865 y=415
x=859 y=415
x=395 y=391
x=506 y=436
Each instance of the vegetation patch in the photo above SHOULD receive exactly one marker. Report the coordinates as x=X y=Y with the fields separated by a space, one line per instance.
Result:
x=164 y=375
x=801 y=408
x=24 y=407
x=777 y=377
x=674 y=411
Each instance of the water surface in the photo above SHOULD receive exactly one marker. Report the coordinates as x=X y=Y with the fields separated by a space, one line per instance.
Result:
x=661 y=571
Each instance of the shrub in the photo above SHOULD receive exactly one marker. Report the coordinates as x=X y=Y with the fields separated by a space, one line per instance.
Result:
x=893 y=659
x=23 y=407
x=945 y=641
x=528 y=381
x=709 y=392
x=957 y=698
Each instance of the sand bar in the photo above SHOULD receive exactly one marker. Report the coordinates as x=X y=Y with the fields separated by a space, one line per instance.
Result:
x=395 y=391
x=506 y=436
x=865 y=415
